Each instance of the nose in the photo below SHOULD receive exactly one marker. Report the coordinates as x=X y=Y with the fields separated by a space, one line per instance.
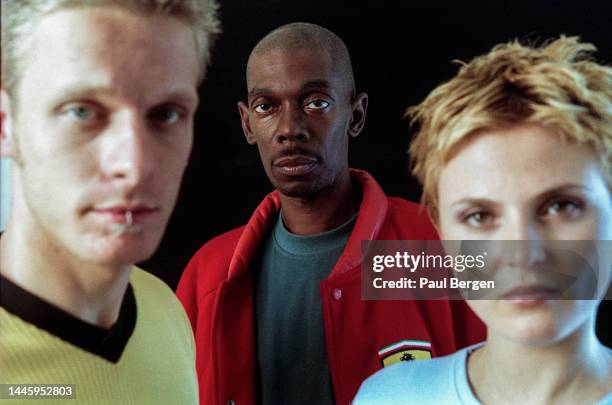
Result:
x=126 y=155
x=525 y=241
x=291 y=125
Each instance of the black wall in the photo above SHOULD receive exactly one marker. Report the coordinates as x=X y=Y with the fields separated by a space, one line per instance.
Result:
x=400 y=52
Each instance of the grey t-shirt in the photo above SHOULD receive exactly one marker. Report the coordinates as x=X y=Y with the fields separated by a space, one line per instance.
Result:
x=291 y=354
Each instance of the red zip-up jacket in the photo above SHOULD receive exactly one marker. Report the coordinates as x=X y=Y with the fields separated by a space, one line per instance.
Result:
x=217 y=292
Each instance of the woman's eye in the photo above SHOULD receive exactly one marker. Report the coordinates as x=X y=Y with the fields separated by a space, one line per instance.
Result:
x=478 y=219
x=317 y=104
x=565 y=208
x=263 y=108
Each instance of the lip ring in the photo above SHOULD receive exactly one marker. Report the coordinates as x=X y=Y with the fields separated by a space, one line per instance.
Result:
x=128 y=218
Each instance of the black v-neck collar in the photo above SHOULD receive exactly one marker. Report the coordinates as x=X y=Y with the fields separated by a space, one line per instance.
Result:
x=106 y=343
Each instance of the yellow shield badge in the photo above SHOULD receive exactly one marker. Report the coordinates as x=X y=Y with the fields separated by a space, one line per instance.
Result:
x=405 y=350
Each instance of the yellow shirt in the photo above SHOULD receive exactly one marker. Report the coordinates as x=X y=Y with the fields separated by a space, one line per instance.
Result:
x=157 y=365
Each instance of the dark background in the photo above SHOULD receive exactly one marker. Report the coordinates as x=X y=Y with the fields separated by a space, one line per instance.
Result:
x=399 y=51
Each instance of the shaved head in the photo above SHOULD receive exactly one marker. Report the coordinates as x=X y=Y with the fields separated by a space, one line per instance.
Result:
x=301 y=109
x=296 y=36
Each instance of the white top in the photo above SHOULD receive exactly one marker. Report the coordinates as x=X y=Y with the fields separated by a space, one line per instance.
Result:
x=439 y=381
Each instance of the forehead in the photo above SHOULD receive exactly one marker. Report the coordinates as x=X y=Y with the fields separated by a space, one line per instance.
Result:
x=111 y=47
x=281 y=69
x=516 y=163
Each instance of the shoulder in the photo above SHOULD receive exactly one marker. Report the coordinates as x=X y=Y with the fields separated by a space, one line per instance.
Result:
x=410 y=220
x=607 y=400
x=145 y=283
x=163 y=330
x=220 y=247
x=400 y=208
x=155 y=299
x=152 y=294
x=422 y=382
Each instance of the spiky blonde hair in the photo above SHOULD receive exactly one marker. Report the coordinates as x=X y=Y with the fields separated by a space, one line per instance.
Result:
x=556 y=86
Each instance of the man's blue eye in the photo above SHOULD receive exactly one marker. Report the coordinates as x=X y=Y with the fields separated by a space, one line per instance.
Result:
x=81 y=113
x=166 y=116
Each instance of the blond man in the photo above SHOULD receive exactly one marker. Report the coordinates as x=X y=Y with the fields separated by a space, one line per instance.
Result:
x=98 y=99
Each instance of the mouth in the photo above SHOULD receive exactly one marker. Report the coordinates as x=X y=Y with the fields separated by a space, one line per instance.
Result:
x=527 y=296
x=297 y=165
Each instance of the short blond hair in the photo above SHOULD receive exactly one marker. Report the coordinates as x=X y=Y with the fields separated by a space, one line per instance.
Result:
x=556 y=86
x=20 y=16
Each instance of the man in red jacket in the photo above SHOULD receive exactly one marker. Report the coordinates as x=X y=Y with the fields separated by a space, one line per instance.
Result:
x=276 y=304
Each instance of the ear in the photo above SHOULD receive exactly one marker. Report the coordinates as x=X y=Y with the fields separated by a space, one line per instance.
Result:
x=243 y=109
x=7 y=141
x=358 y=114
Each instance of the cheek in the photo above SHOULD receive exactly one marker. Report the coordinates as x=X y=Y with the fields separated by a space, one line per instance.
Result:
x=48 y=195
x=449 y=227
x=263 y=128
x=595 y=225
x=181 y=156
x=169 y=174
x=57 y=169
x=53 y=190
x=604 y=264
x=335 y=143
x=604 y=220
x=264 y=153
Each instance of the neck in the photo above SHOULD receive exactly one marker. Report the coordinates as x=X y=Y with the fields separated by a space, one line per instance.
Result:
x=34 y=262
x=563 y=372
x=323 y=212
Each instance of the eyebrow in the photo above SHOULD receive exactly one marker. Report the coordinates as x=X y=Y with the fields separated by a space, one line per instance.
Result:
x=474 y=201
x=85 y=91
x=78 y=91
x=310 y=85
x=564 y=188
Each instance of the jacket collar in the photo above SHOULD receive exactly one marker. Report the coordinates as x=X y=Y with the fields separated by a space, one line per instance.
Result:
x=372 y=214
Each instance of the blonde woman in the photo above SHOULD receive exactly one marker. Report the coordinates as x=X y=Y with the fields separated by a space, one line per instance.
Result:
x=517 y=146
